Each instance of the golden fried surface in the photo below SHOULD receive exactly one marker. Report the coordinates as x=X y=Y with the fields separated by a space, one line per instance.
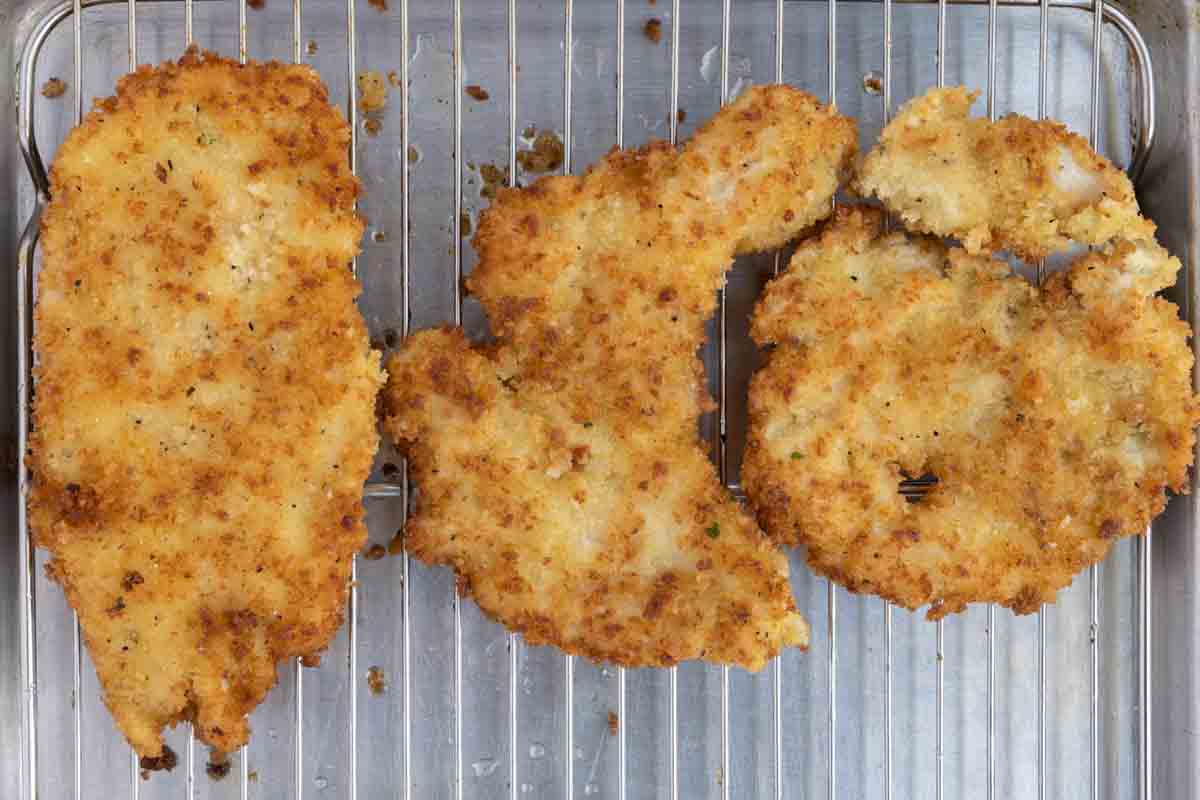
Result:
x=205 y=393
x=1014 y=184
x=559 y=472
x=1054 y=420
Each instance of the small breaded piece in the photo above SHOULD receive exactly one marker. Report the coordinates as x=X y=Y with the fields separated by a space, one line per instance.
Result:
x=205 y=391
x=1029 y=187
x=559 y=471
x=1054 y=421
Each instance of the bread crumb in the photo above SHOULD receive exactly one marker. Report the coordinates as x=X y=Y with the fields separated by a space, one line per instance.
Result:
x=477 y=92
x=257 y=5
x=55 y=87
x=545 y=156
x=372 y=126
x=375 y=552
x=493 y=179
x=376 y=681
x=680 y=115
x=613 y=723
x=218 y=769
x=372 y=91
x=464 y=224
x=653 y=29
x=312 y=47
x=393 y=77
x=381 y=5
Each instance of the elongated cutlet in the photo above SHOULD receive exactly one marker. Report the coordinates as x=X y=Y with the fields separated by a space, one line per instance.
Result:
x=1054 y=421
x=559 y=470
x=205 y=394
x=1014 y=184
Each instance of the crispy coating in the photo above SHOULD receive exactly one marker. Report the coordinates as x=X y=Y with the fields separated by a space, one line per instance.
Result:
x=1014 y=184
x=559 y=471
x=1054 y=420
x=205 y=393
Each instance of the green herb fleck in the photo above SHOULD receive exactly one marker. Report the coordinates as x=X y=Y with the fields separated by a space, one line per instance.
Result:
x=205 y=139
x=797 y=455
x=713 y=531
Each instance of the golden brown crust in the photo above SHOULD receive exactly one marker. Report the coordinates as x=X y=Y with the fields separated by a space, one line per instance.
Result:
x=1014 y=184
x=559 y=472
x=204 y=413
x=1055 y=421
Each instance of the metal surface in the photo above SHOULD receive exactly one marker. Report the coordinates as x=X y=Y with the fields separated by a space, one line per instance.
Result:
x=884 y=704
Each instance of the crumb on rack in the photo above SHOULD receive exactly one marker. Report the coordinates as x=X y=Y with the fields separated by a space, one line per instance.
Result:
x=680 y=115
x=311 y=660
x=653 y=29
x=375 y=552
x=252 y=777
x=372 y=91
x=477 y=92
x=464 y=224
x=413 y=155
x=393 y=77
x=164 y=762
x=372 y=126
x=55 y=87
x=312 y=47
x=257 y=5
x=546 y=154
x=493 y=179
x=376 y=681
x=218 y=768
x=381 y=5
x=613 y=722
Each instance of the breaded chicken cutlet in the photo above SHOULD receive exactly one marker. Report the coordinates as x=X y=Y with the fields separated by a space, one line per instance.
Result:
x=1053 y=420
x=559 y=471
x=1014 y=184
x=205 y=394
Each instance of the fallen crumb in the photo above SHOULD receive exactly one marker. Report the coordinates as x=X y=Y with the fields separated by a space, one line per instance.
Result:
x=653 y=29
x=165 y=762
x=55 y=87
x=311 y=660
x=477 y=92
x=680 y=115
x=378 y=4
x=529 y=132
x=546 y=155
x=379 y=236
x=372 y=126
x=413 y=155
x=372 y=91
x=312 y=47
x=493 y=179
x=257 y=5
x=217 y=770
x=872 y=83
x=376 y=681
x=145 y=774
x=389 y=469
x=375 y=552
x=396 y=545
x=253 y=776
x=464 y=224
x=613 y=722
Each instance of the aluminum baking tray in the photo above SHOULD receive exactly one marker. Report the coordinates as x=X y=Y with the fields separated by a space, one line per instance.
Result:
x=1097 y=696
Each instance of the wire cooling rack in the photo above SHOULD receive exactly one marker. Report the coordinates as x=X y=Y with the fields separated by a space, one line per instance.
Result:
x=884 y=705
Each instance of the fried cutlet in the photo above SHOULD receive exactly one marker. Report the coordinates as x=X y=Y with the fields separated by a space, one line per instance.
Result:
x=1014 y=184
x=1054 y=421
x=559 y=469
x=205 y=394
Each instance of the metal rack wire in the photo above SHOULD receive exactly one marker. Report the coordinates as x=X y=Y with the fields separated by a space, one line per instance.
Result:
x=398 y=489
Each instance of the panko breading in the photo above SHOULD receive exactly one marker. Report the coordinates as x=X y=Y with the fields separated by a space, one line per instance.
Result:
x=559 y=471
x=1053 y=420
x=1014 y=184
x=205 y=393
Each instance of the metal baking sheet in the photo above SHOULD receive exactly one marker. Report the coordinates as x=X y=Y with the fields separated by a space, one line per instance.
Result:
x=884 y=704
